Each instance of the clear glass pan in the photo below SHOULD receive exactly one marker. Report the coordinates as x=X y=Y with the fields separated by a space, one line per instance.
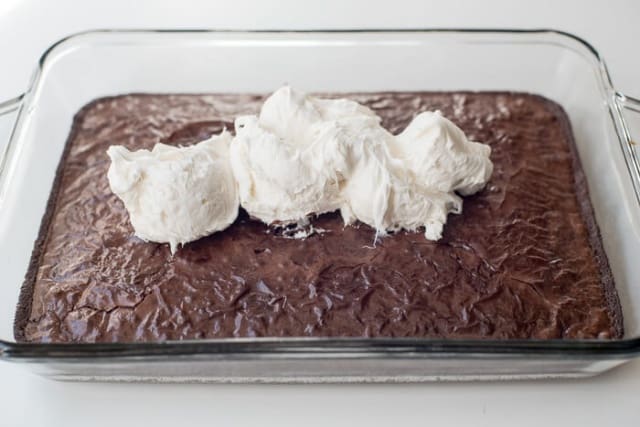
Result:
x=90 y=65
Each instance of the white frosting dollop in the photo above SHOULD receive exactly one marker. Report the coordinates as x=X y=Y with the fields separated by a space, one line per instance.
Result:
x=291 y=161
x=176 y=194
x=304 y=155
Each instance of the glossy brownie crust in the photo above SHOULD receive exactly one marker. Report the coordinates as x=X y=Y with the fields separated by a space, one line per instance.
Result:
x=523 y=260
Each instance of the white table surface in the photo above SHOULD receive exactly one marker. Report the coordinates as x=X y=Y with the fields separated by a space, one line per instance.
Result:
x=27 y=27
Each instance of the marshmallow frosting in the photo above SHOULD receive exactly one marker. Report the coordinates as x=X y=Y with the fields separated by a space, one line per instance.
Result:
x=303 y=156
x=176 y=194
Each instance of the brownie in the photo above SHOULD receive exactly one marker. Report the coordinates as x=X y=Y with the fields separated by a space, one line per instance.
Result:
x=524 y=260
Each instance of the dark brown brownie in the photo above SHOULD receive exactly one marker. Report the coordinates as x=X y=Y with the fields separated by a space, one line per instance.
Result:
x=523 y=260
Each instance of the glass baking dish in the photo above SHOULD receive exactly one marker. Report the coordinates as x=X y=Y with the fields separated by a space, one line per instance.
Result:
x=94 y=64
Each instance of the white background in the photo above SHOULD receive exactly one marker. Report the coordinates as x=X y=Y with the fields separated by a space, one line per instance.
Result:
x=27 y=27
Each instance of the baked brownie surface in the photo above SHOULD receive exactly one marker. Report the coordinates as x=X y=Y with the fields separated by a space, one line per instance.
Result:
x=523 y=260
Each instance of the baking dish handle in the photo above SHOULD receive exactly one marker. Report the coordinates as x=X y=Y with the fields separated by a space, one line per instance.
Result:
x=630 y=107
x=628 y=129
x=8 y=112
